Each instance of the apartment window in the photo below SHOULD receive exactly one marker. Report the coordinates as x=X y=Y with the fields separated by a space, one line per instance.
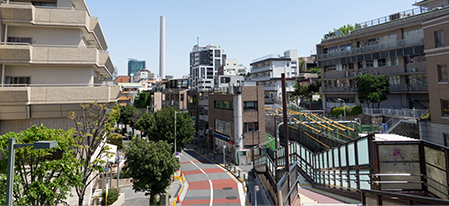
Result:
x=20 y=40
x=250 y=126
x=349 y=66
x=18 y=80
x=392 y=61
x=250 y=106
x=369 y=64
x=417 y=80
x=223 y=105
x=381 y=62
x=329 y=68
x=445 y=108
x=394 y=81
x=439 y=38
x=35 y=3
x=217 y=53
x=415 y=59
x=442 y=73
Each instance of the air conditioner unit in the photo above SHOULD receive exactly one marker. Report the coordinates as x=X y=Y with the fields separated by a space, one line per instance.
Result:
x=412 y=69
x=376 y=73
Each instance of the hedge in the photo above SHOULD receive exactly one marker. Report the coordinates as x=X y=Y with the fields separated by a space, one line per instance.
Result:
x=354 y=110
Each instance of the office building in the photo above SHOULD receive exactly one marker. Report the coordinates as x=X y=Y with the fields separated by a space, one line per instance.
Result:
x=205 y=63
x=231 y=67
x=54 y=58
x=134 y=66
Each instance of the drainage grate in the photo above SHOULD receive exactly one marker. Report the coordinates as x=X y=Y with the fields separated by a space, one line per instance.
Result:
x=231 y=197
x=227 y=188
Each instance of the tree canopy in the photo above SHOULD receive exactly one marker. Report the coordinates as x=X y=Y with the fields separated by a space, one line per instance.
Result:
x=161 y=126
x=150 y=164
x=372 y=89
x=42 y=176
x=91 y=127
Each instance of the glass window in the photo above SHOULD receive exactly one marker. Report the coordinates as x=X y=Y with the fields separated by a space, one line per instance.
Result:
x=445 y=108
x=442 y=73
x=415 y=59
x=223 y=127
x=250 y=106
x=439 y=38
x=223 y=105
x=17 y=80
x=381 y=62
x=250 y=127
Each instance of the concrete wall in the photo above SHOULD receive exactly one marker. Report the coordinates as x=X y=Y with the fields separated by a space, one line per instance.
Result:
x=21 y=125
x=52 y=74
x=48 y=36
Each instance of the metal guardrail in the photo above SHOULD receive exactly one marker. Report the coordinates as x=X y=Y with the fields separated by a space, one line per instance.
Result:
x=408 y=113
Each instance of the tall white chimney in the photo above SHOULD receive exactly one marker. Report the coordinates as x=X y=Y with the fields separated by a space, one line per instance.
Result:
x=162 y=50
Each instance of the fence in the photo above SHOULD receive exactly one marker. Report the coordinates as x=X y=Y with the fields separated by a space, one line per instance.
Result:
x=408 y=113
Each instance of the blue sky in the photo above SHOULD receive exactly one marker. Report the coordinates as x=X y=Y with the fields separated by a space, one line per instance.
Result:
x=245 y=29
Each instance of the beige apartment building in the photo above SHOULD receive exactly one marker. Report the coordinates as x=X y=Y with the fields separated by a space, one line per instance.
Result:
x=53 y=56
x=392 y=45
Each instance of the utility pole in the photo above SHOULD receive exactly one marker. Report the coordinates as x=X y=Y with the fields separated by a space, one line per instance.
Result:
x=285 y=130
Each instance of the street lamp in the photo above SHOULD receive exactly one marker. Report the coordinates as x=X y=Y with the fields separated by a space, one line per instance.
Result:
x=256 y=189
x=344 y=106
x=175 y=124
x=11 y=159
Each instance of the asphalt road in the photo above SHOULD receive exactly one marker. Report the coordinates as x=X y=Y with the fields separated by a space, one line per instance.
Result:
x=209 y=184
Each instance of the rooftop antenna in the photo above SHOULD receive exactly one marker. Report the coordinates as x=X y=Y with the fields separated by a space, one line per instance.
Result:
x=198 y=40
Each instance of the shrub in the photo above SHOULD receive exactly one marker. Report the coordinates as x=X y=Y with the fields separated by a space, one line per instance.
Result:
x=113 y=194
x=336 y=111
x=115 y=139
x=355 y=110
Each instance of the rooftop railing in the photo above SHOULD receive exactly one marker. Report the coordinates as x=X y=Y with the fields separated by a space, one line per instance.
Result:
x=371 y=48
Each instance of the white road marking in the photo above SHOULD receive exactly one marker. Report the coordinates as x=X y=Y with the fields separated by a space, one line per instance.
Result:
x=210 y=183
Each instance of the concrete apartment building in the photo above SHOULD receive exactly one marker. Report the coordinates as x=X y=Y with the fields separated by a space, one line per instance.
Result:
x=436 y=48
x=205 y=63
x=234 y=119
x=231 y=67
x=53 y=58
x=267 y=70
x=392 y=45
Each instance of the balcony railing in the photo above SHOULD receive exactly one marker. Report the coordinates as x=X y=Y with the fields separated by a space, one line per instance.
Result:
x=339 y=89
x=409 y=113
x=409 y=88
x=372 y=48
x=57 y=93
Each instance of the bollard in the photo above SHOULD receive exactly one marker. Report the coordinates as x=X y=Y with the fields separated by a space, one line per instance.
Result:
x=239 y=173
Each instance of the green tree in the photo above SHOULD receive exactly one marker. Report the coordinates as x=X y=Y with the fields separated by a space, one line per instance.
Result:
x=42 y=176
x=91 y=128
x=126 y=114
x=372 y=89
x=161 y=126
x=150 y=164
x=142 y=100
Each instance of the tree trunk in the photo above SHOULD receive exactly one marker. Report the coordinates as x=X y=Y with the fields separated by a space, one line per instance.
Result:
x=151 y=198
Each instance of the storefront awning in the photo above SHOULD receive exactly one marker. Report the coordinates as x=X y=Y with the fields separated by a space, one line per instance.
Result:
x=223 y=137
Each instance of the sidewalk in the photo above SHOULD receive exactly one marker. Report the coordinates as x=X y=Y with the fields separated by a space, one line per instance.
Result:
x=243 y=173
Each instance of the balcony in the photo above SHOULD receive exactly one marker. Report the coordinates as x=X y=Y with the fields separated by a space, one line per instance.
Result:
x=372 y=48
x=20 y=53
x=261 y=78
x=339 y=89
x=409 y=88
x=26 y=13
